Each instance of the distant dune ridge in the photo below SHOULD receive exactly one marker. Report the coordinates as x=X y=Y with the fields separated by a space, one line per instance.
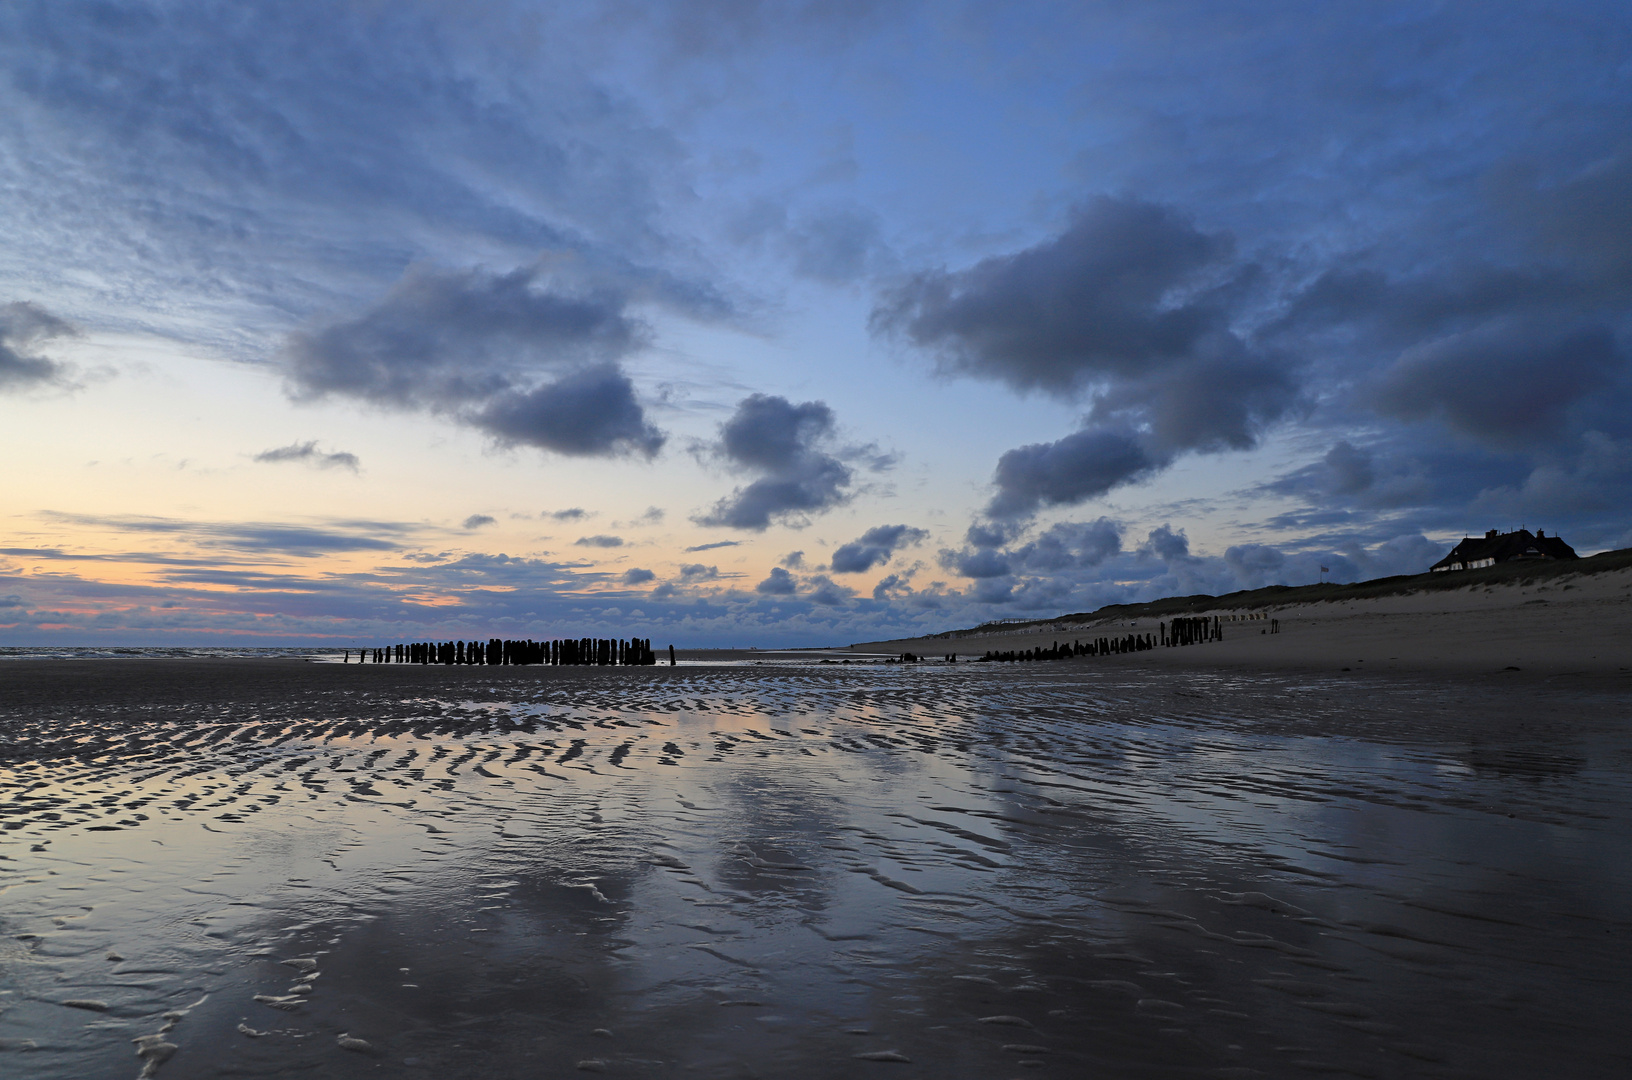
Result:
x=1547 y=618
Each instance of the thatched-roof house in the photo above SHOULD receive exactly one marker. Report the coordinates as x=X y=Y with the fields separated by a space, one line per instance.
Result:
x=1495 y=547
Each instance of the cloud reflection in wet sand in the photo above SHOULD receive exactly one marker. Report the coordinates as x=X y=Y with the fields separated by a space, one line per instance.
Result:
x=803 y=872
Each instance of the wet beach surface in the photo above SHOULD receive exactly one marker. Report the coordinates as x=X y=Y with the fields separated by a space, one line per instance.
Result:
x=268 y=868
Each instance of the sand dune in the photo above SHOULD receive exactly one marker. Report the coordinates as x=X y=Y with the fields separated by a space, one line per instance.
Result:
x=1572 y=624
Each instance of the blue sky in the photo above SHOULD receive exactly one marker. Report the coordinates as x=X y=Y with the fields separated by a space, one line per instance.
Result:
x=791 y=323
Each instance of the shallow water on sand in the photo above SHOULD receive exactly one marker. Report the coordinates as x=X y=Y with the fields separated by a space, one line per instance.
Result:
x=1053 y=870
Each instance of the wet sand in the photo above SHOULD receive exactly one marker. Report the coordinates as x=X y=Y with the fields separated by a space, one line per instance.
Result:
x=270 y=869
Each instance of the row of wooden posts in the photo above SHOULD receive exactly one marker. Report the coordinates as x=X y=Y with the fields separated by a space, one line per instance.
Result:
x=1187 y=631
x=495 y=651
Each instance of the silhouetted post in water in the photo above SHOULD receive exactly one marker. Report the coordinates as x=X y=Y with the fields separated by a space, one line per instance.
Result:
x=671 y=655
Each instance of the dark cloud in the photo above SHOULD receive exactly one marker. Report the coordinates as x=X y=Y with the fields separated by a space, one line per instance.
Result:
x=692 y=573
x=889 y=587
x=794 y=560
x=1167 y=544
x=874 y=548
x=979 y=563
x=1349 y=468
x=1078 y=467
x=788 y=445
x=477 y=521
x=589 y=412
x=1133 y=308
x=575 y=513
x=636 y=576
x=23 y=327
x=987 y=534
x=307 y=453
x=471 y=344
x=444 y=336
x=1505 y=385
x=1583 y=221
x=711 y=547
x=1069 y=545
x=778 y=583
x=599 y=541
x=827 y=592
x=1100 y=300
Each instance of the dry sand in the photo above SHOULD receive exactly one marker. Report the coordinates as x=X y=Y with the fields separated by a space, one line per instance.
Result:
x=1576 y=624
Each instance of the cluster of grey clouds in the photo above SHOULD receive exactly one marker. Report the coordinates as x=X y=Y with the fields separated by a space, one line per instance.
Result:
x=268 y=580
x=524 y=356
x=1423 y=281
x=1470 y=386
x=25 y=330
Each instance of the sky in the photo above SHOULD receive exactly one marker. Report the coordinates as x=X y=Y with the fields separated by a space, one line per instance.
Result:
x=791 y=322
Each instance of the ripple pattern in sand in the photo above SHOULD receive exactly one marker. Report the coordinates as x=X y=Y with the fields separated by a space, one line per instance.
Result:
x=799 y=872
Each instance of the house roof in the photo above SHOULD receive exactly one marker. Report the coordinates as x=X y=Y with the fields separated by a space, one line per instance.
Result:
x=1507 y=547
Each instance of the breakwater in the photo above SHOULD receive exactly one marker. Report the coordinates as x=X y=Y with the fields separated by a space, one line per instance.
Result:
x=1187 y=631
x=593 y=652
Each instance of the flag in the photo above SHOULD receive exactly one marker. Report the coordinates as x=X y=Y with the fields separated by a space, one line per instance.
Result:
x=1325 y=569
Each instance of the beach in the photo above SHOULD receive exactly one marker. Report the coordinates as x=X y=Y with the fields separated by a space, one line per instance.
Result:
x=1118 y=866
x=1569 y=625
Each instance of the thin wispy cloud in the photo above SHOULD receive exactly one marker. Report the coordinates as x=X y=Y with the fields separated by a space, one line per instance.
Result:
x=307 y=453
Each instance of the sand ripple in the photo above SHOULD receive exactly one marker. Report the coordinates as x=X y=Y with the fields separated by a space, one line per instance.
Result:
x=803 y=872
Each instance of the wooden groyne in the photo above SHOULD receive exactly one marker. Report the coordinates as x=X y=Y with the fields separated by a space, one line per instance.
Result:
x=1186 y=631
x=593 y=652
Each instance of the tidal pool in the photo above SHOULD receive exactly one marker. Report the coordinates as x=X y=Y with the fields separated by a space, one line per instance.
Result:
x=267 y=868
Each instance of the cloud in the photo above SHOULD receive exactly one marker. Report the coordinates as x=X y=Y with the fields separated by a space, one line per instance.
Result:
x=472 y=344
x=1070 y=545
x=600 y=541
x=786 y=444
x=312 y=151
x=1166 y=544
x=1504 y=385
x=1131 y=307
x=979 y=563
x=1128 y=287
x=257 y=536
x=889 y=586
x=575 y=513
x=23 y=326
x=636 y=576
x=477 y=521
x=794 y=560
x=874 y=548
x=692 y=573
x=1078 y=467
x=778 y=583
x=715 y=544
x=589 y=412
x=827 y=592
x=307 y=453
